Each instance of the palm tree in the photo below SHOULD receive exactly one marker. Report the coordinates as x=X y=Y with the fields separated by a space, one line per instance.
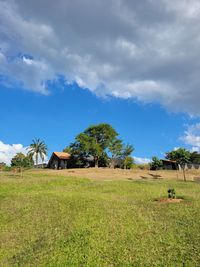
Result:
x=37 y=148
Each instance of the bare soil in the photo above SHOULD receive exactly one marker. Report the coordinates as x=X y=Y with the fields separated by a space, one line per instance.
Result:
x=119 y=174
x=170 y=200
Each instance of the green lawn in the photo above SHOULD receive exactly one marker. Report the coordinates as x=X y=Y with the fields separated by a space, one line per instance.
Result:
x=61 y=221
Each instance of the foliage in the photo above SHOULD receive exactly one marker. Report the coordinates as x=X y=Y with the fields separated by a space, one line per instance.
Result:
x=127 y=162
x=92 y=143
x=155 y=163
x=171 y=193
x=115 y=149
x=97 y=146
x=2 y=165
x=38 y=149
x=180 y=155
x=195 y=157
x=20 y=160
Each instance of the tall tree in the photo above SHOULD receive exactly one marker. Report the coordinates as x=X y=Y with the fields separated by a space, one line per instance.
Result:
x=37 y=149
x=93 y=142
x=115 y=148
x=180 y=155
x=126 y=153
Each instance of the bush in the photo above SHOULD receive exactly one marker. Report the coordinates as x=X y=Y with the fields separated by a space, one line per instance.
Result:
x=171 y=193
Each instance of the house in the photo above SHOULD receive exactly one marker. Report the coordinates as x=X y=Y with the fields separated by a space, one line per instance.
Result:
x=169 y=164
x=58 y=160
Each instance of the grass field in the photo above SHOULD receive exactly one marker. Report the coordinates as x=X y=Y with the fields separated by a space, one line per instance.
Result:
x=51 y=219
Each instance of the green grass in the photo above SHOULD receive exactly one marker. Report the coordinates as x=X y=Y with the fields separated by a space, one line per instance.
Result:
x=58 y=221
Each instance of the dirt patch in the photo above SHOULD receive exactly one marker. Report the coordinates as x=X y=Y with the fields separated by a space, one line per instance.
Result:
x=119 y=174
x=170 y=200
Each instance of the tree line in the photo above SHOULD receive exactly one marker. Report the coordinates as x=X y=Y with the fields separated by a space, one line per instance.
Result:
x=97 y=146
x=180 y=155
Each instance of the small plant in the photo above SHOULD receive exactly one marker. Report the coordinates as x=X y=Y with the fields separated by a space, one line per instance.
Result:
x=171 y=193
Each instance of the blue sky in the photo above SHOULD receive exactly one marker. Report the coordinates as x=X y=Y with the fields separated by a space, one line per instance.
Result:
x=133 y=64
x=68 y=110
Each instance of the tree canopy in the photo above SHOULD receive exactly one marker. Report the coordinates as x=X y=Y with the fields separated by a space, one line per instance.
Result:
x=180 y=155
x=20 y=160
x=96 y=144
x=38 y=149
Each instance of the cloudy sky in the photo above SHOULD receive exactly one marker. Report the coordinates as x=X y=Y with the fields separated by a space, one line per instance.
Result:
x=134 y=64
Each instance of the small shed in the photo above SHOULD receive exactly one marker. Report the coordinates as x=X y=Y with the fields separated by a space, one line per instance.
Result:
x=169 y=164
x=58 y=160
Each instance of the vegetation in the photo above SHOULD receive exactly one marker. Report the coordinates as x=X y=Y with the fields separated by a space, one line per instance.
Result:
x=155 y=163
x=171 y=193
x=61 y=221
x=182 y=155
x=99 y=144
x=37 y=149
x=20 y=160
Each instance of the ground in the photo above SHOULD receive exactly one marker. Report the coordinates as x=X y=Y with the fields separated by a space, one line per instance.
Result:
x=99 y=218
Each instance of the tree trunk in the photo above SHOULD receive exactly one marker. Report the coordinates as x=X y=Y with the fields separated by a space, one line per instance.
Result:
x=96 y=162
x=184 y=174
x=112 y=163
x=36 y=159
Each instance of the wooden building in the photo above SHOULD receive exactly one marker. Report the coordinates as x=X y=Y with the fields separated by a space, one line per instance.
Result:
x=169 y=164
x=58 y=160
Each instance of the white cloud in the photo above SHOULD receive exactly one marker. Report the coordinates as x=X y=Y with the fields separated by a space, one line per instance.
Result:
x=139 y=160
x=192 y=137
x=145 y=50
x=7 y=152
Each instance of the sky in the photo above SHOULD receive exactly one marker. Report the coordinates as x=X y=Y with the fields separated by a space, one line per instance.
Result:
x=132 y=64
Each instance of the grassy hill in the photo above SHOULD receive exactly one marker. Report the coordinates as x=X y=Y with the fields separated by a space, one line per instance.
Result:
x=52 y=220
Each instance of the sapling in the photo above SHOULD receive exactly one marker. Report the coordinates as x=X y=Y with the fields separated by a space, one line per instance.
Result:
x=171 y=193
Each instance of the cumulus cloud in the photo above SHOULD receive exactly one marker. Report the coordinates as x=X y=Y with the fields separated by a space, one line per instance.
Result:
x=139 y=160
x=192 y=137
x=145 y=50
x=7 y=152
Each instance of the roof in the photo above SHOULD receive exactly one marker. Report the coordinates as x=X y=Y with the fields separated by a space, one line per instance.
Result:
x=62 y=155
x=167 y=160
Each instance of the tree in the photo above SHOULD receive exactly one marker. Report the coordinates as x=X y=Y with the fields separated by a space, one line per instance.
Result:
x=155 y=163
x=128 y=162
x=127 y=150
x=115 y=149
x=20 y=160
x=38 y=149
x=180 y=155
x=93 y=142
x=195 y=157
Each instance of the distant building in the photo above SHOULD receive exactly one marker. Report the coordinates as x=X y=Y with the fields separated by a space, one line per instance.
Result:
x=169 y=164
x=40 y=165
x=58 y=160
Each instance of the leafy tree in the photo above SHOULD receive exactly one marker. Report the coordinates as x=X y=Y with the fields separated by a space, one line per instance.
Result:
x=20 y=160
x=128 y=162
x=180 y=155
x=126 y=152
x=195 y=157
x=155 y=163
x=38 y=149
x=93 y=142
x=115 y=148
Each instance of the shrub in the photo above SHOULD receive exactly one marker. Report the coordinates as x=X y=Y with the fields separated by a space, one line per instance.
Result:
x=171 y=193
